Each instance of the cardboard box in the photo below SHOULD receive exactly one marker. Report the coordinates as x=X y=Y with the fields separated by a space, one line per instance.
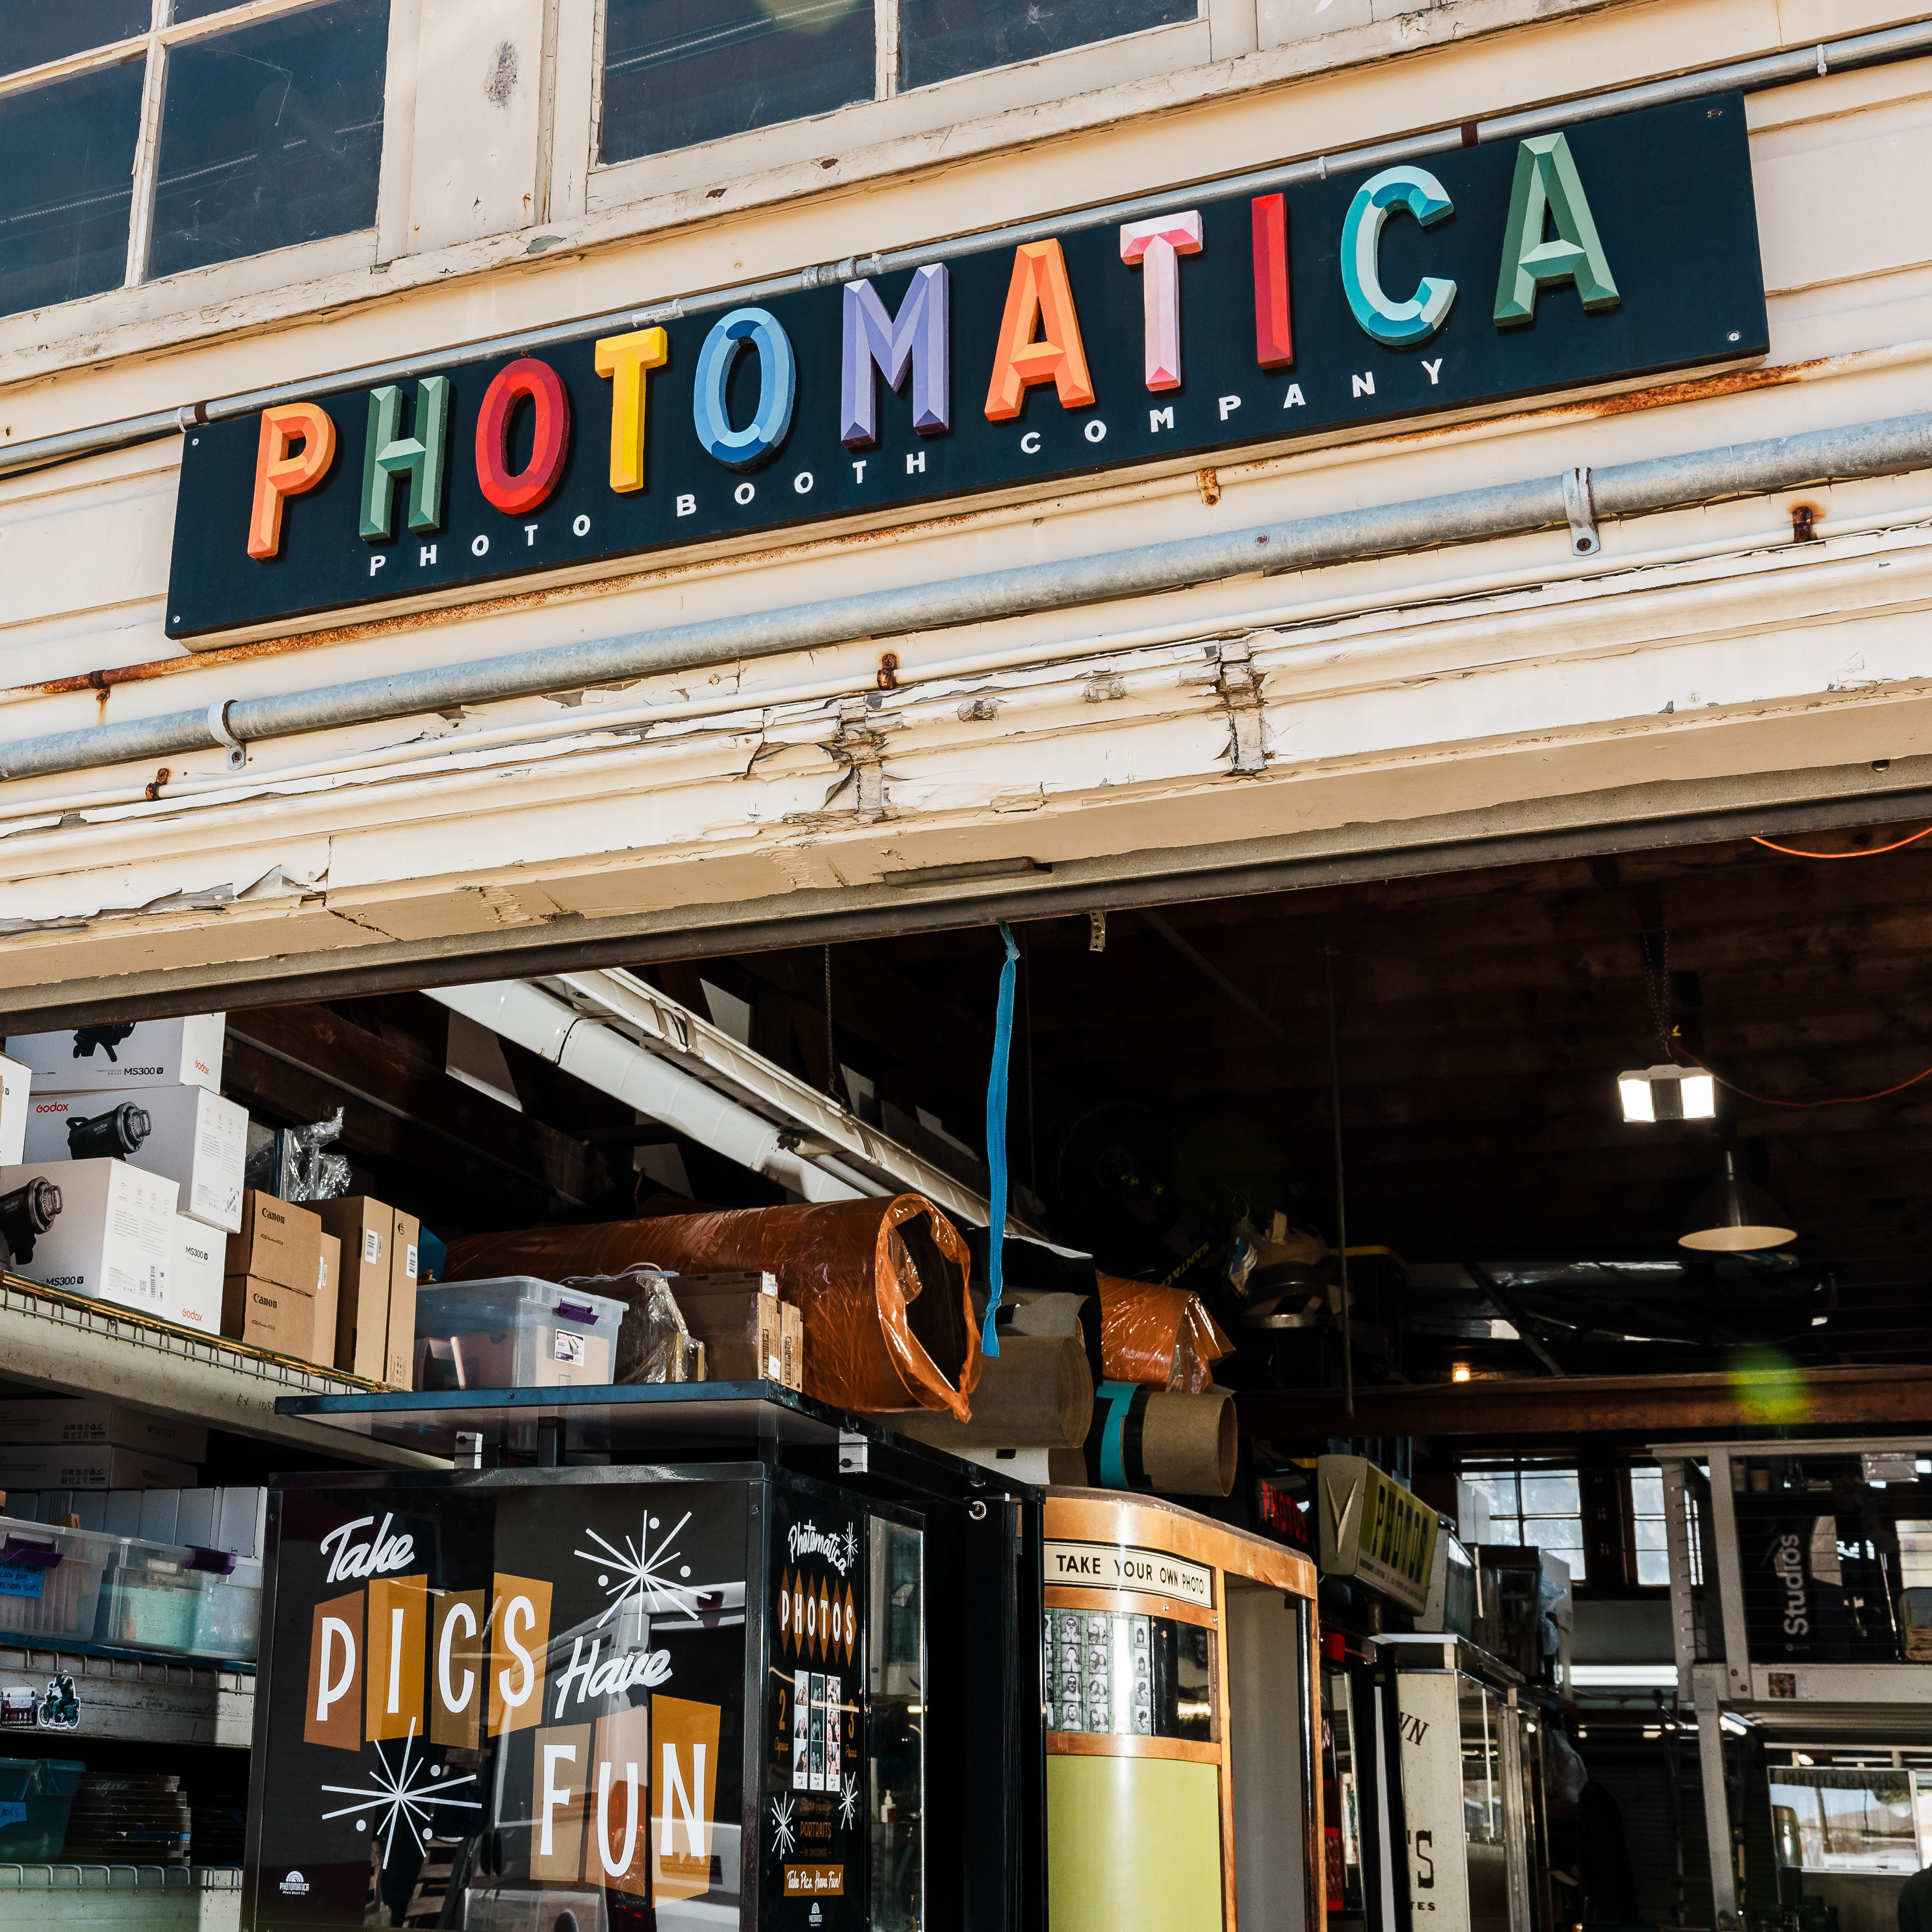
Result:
x=197 y=1139
x=366 y=1229
x=185 y=1052
x=114 y=1237
x=15 y=1081
x=86 y=1466
x=194 y=1282
x=740 y=1319
x=400 y=1372
x=279 y=1241
x=328 y=1282
x=793 y=1331
x=93 y=1422
x=269 y=1315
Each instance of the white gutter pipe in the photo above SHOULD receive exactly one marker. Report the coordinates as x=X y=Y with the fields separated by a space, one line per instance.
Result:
x=1891 y=446
x=617 y=1033
x=1799 y=63
x=603 y=1058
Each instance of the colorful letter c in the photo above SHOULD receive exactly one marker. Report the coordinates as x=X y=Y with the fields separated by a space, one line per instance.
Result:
x=1402 y=324
x=514 y=492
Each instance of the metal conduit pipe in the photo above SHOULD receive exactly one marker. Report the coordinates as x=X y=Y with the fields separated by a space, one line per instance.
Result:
x=1753 y=76
x=603 y=1058
x=1887 y=447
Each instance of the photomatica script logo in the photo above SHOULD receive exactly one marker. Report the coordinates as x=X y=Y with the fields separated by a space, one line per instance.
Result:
x=807 y=1539
x=382 y=1553
x=294 y=1886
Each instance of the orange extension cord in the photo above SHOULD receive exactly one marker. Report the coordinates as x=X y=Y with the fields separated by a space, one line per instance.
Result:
x=1872 y=853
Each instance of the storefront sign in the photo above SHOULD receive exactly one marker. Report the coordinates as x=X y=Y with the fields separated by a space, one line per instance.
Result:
x=1374 y=1530
x=1154 y=1573
x=1611 y=249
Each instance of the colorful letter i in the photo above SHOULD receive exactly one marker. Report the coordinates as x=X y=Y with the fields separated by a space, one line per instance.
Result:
x=1274 y=336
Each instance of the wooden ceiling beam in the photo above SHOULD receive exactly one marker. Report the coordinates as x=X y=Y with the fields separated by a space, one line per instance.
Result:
x=1719 y=1401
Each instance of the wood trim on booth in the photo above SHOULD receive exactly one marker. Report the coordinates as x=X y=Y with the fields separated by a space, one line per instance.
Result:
x=1107 y=1744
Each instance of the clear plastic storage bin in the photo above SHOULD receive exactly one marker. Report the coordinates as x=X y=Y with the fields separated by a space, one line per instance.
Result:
x=50 y=1579
x=513 y=1332
x=36 y=1794
x=195 y=1603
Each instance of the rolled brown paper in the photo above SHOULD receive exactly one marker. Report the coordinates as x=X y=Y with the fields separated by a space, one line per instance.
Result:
x=881 y=1284
x=1036 y=1394
x=1188 y=1443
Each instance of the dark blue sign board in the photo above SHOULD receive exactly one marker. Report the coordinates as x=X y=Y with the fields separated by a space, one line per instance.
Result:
x=1634 y=253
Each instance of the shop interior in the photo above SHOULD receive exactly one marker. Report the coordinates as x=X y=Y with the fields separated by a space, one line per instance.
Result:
x=1623 y=1119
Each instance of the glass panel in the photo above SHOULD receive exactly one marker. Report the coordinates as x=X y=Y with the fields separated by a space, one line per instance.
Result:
x=1499 y=1485
x=940 y=38
x=1646 y=1492
x=1135 y=1676
x=30 y=35
x=1653 y=1566
x=1550 y=1493
x=896 y=1770
x=66 y=155
x=1482 y=1772
x=1845 y=1821
x=1650 y=1533
x=271 y=135
x=678 y=72
x=1505 y=1529
x=200 y=9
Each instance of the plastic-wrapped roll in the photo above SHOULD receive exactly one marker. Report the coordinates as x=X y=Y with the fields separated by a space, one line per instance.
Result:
x=1158 y=1337
x=881 y=1285
x=1036 y=1394
x=1173 y=1443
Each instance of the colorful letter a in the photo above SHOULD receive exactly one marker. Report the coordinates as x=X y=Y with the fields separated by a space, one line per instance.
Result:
x=1039 y=296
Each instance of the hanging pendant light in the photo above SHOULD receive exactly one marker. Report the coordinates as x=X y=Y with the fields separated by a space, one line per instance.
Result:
x=1734 y=1217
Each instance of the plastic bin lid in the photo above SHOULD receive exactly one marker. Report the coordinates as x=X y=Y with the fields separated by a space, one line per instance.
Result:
x=508 y=1292
x=47 y=1776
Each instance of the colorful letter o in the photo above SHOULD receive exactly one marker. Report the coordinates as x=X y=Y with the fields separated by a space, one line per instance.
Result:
x=513 y=493
x=778 y=388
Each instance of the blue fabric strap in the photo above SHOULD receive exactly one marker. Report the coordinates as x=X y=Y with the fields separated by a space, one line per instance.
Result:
x=996 y=1141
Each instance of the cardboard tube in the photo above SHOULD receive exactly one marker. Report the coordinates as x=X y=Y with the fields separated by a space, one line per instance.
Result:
x=1188 y=1443
x=1036 y=1394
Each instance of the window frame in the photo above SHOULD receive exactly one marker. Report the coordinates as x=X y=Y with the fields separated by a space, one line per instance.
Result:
x=1218 y=29
x=321 y=257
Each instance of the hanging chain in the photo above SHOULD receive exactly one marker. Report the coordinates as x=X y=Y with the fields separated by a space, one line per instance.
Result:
x=831 y=1056
x=1657 y=983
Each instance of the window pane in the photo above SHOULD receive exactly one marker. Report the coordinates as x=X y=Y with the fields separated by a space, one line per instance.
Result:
x=271 y=135
x=1553 y=1494
x=940 y=38
x=677 y=72
x=1504 y=1529
x=200 y=9
x=1647 y=1492
x=1653 y=1566
x=31 y=34
x=1649 y=1532
x=1499 y=1485
x=66 y=155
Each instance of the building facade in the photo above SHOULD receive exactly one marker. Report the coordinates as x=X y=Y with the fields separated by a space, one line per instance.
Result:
x=988 y=685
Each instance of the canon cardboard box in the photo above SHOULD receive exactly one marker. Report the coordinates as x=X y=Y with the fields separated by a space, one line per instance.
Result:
x=114 y=1237
x=185 y=1052
x=366 y=1229
x=399 y=1370
x=279 y=1241
x=92 y=1422
x=270 y=1315
x=85 y=1467
x=194 y=1287
x=328 y=1292
x=15 y=1080
x=198 y=1140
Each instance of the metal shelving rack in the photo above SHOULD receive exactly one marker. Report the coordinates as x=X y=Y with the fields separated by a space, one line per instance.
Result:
x=130 y=1697
x=72 y=1345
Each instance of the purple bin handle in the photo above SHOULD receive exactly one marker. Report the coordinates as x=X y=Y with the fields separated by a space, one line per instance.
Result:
x=220 y=1562
x=34 y=1555
x=577 y=1311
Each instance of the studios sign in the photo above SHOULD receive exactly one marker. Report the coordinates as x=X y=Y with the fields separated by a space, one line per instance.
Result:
x=1610 y=249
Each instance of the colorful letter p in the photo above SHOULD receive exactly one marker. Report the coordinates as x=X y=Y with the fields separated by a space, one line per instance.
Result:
x=279 y=476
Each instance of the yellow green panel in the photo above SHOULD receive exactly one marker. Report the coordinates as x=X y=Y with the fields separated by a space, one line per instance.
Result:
x=1133 y=1844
